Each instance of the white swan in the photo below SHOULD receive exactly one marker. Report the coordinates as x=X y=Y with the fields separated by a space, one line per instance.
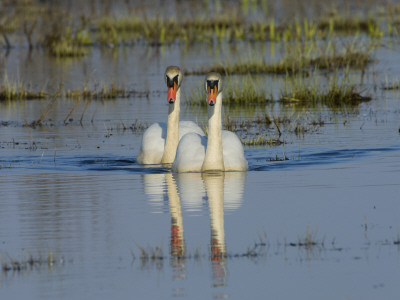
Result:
x=159 y=141
x=222 y=151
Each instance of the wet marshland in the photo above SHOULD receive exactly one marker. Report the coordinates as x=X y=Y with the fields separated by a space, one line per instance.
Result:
x=316 y=215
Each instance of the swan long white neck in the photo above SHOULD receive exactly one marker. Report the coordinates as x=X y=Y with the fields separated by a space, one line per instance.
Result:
x=214 y=160
x=172 y=130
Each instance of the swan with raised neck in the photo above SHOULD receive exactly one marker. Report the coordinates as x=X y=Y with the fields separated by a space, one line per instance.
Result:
x=173 y=79
x=221 y=151
x=160 y=140
x=214 y=160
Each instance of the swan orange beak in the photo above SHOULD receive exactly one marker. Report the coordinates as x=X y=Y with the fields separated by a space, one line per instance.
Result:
x=172 y=93
x=212 y=95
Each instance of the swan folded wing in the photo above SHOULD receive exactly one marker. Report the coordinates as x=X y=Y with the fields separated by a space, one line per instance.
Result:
x=190 y=153
x=186 y=127
x=153 y=143
x=234 y=159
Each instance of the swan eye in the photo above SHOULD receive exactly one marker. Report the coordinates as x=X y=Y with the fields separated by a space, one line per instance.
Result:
x=211 y=84
x=170 y=82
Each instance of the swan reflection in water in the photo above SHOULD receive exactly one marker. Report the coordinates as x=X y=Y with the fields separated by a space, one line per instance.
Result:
x=223 y=192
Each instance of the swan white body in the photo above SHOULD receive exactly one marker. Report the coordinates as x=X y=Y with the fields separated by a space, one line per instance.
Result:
x=221 y=151
x=154 y=140
x=160 y=140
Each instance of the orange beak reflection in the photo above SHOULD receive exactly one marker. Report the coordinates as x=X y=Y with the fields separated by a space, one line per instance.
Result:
x=172 y=93
x=212 y=95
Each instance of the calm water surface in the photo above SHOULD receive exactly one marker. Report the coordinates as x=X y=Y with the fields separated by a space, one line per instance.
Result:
x=76 y=191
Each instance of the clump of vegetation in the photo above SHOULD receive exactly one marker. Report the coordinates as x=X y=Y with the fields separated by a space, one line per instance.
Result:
x=277 y=158
x=308 y=241
x=66 y=42
x=70 y=36
x=393 y=84
x=349 y=58
x=260 y=141
x=136 y=127
x=105 y=92
x=111 y=92
x=346 y=24
x=237 y=91
x=243 y=91
x=30 y=263
x=295 y=61
x=288 y=65
x=17 y=90
x=335 y=94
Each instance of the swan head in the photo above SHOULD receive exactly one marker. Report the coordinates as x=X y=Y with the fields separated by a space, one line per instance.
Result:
x=213 y=83
x=173 y=78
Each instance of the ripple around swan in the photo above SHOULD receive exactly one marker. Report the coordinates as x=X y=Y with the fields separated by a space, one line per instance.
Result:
x=258 y=161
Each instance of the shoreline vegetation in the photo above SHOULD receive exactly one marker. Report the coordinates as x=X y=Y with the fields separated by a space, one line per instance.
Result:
x=313 y=57
x=65 y=33
x=299 y=59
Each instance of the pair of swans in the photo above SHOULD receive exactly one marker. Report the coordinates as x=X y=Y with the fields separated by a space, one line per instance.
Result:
x=183 y=144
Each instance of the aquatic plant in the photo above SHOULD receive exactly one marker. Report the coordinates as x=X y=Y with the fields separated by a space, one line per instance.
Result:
x=66 y=41
x=297 y=59
x=390 y=84
x=39 y=121
x=237 y=91
x=335 y=93
x=308 y=241
x=276 y=158
x=259 y=140
x=346 y=23
x=30 y=263
x=111 y=91
x=18 y=90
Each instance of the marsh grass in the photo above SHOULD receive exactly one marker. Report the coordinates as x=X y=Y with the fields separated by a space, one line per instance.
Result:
x=154 y=255
x=30 y=263
x=39 y=121
x=277 y=158
x=288 y=65
x=18 y=90
x=348 y=58
x=267 y=130
x=237 y=91
x=390 y=84
x=335 y=94
x=346 y=24
x=245 y=90
x=67 y=41
x=111 y=91
x=297 y=59
x=68 y=34
x=137 y=127
x=104 y=92
x=232 y=26
x=259 y=140
x=308 y=241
